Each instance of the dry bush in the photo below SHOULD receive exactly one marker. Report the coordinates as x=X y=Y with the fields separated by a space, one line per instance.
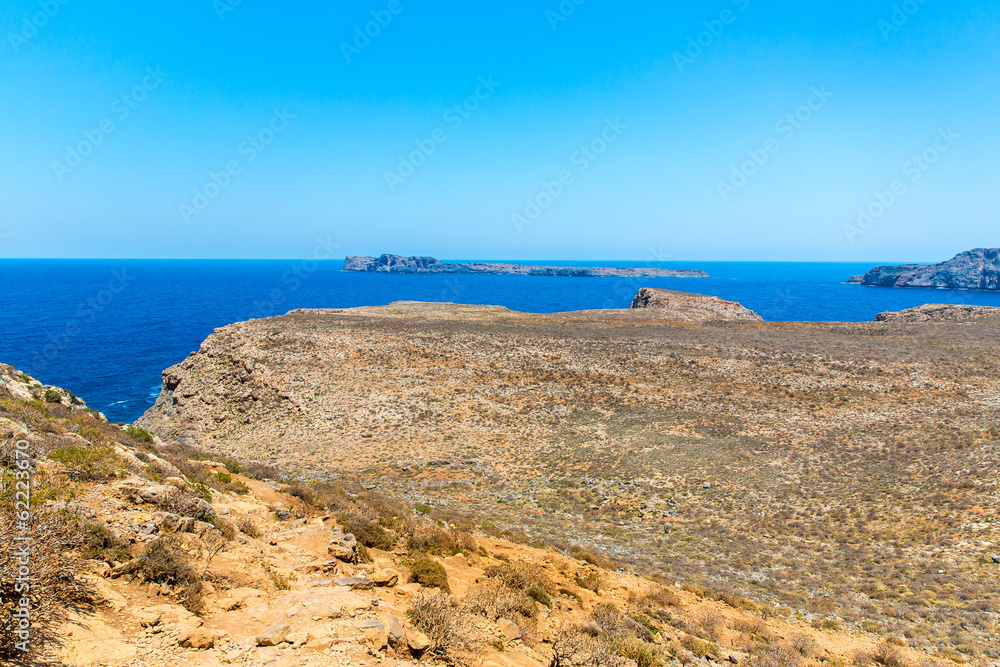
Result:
x=430 y=539
x=88 y=464
x=751 y=626
x=592 y=581
x=249 y=526
x=520 y=575
x=702 y=648
x=440 y=618
x=805 y=645
x=493 y=599
x=712 y=623
x=611 y=621
x=655 y=600
x=574 y=647
x=597 y=560
x=889 y=655
x=775 y=655
x=56 y=587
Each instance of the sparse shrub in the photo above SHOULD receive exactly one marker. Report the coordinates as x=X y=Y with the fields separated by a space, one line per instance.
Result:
x=493 y=599
x=805 y=645
x=160 y=562
x=429 y=573
x=574 y=647
x=249 y=526
x=592 y=581
x=99 y=543
x=440 y=618
x=138 y=434
x=227 y=529
x=430 y=539
x=53 y=396
x=889 y=655
x=712 y=622
x=539 y=595
x=594 y=559
x=775 y=655
x=57 y=586
x=644 y=655
x=520 y=575
x=370 y=533
x=702 y=648
x=88 y=464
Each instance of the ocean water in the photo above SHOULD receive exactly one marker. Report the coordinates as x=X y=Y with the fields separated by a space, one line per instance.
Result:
x=106 y=329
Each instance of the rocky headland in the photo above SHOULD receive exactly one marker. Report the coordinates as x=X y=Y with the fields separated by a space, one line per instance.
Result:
x=977 y=269
x=685 y=306
x=400 y=264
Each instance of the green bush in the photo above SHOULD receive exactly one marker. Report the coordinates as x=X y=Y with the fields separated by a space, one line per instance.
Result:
x=539 y=595
x=160 y=563
x=88 y=464
x=370 y=533
x=53 y=396
x=99 y=543
x=429 y=573
x=140 y=435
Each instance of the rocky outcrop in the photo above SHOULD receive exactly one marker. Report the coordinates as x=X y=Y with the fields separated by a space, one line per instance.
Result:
x=692 y=307
x=400 y=264
x=941 y=312
x=976 y=269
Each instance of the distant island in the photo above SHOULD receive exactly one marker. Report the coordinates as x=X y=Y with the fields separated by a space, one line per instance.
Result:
x=400 y=264
x=977 y=269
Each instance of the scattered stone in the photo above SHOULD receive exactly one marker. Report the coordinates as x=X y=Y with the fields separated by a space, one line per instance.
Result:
x=394 y=627
x=355 y=583
x=197 y=638
x=276 y=633
x=375 y=634
x=509 y=629
x=996 y=559
x=417 y=641
x=297 y=638
x=386 y=578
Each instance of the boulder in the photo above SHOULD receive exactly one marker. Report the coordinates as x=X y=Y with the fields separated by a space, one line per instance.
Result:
x=417 y=641
x=394 y=628
x=198 y=638
x=275 y=633
x=386 y=578
x=375 y=633
x=509 y=629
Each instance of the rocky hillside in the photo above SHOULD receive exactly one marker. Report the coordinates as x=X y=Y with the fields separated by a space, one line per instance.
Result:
x=844 y=472
x=941 y=312
x=977 y=269
x=683 y=306
x=149 y=553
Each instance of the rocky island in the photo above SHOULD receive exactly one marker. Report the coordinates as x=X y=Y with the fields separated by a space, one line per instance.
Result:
x=400 y=264
x=977 y=269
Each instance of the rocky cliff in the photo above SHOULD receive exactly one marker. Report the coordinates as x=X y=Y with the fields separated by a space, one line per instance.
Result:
x=977 y=269
x=400 y=264
x=684 y=306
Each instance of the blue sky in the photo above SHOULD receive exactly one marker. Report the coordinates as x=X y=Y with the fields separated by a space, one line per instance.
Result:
x=602 y=131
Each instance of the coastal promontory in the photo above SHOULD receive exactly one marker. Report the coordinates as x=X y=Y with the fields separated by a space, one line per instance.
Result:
x=400 y=264
x=977 y=269
x=692 y=307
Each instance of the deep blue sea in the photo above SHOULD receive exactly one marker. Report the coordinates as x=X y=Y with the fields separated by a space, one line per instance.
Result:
x=105 y=329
